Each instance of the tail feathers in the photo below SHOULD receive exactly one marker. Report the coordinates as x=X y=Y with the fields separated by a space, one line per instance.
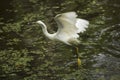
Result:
x=74 y=41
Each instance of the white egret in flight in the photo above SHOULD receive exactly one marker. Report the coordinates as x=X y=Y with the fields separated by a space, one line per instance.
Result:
x=68 y=28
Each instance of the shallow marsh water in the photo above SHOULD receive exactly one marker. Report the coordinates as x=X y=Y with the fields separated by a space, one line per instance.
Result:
x=26 y=54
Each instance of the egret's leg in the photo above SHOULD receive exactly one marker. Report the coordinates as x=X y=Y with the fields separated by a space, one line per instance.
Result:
x=78 y=59
x=77 y=52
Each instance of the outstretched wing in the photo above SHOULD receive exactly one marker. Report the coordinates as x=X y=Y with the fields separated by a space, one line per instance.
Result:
x=69 y=25
x=81 y=24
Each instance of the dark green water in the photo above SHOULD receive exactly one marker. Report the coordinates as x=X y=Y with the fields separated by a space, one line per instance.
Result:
x=26 y=54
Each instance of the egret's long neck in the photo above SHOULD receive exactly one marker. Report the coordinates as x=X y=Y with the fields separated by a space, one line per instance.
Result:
x=44 y=29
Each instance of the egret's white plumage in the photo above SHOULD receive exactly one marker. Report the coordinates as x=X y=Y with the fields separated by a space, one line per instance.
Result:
x=68 y=28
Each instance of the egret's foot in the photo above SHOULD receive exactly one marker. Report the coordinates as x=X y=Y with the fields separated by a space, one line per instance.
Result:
x=79 y=62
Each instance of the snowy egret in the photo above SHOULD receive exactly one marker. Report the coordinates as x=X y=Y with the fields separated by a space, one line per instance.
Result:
x=68 y=28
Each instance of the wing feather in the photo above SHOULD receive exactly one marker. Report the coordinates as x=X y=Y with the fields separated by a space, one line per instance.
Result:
x=81 y=24
x=69 y=25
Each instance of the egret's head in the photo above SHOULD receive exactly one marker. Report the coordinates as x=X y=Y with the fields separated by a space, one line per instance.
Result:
x=41 y=23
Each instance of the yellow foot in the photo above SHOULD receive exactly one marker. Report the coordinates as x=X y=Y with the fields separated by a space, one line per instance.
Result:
x=79 y=61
